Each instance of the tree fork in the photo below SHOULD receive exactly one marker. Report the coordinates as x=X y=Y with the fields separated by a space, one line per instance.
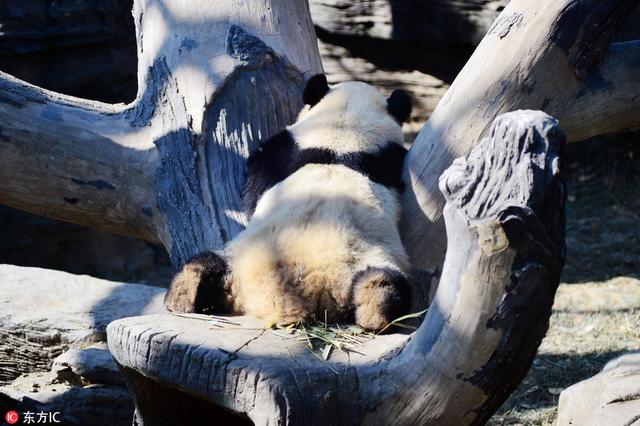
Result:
x=213 y=81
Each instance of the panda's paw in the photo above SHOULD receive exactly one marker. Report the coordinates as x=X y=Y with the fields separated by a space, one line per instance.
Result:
x=283 y=321
x=380 y=295
x=200 y=286
x=286 y=311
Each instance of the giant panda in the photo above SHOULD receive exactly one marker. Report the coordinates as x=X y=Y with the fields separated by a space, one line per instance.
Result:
x=323 y=202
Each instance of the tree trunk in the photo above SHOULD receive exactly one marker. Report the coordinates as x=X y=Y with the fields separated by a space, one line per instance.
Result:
x=213 y=80
x=505 y=218
x=549 y=55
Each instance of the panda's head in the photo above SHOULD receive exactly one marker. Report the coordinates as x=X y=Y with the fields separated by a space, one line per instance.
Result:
x=350 y=116
x=356 y=95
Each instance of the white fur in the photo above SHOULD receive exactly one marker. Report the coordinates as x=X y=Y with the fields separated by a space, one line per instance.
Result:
x=313 y=232
x=309 y=236
x=352 y=117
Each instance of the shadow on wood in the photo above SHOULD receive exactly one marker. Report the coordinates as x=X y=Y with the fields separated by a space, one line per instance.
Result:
x=505 y=225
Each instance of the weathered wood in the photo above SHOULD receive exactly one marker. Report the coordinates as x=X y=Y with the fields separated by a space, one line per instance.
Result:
x=44 y=313
x=167 y=168
x=241 y=367
x=448 y=21
x=75 y=160
x=611 y=397
x=548 y=55
x=53 y=355
x=505 y=218
x=64 y=26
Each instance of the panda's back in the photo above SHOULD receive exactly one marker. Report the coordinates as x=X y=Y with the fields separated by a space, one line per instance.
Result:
x=320 y=222
x=332 y=198
x=334 y=186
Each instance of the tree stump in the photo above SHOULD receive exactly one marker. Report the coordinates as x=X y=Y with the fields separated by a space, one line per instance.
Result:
x=505 y=223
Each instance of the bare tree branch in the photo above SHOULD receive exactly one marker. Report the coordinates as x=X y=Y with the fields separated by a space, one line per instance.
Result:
x=75 y=160
x=547 y=55
x=213 y=81
x=609 y=102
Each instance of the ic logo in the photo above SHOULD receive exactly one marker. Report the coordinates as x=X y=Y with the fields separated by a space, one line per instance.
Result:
x=11 y=417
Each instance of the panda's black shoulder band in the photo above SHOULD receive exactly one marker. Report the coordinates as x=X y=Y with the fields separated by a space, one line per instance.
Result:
x=279 y=157
x=383 y=167
x=267 y=166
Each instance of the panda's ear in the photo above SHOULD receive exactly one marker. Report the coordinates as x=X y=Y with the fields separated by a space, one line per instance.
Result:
x=399 y=105
x=317 y=87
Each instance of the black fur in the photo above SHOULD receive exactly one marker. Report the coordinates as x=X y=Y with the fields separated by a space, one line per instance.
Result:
x=211 y=296
x=267 y=166
x=315 y=90
x=383 y=167
x=280 y=157
x=399 y=105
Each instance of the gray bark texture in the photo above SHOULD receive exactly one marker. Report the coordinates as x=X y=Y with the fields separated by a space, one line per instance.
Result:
x=216 y=79
x=504 y=216
x=548 y=55
x=53 y=354
x=168 y=167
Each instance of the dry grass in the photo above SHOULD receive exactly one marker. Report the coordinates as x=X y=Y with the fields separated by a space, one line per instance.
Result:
x=591 y=324
x=323 y=338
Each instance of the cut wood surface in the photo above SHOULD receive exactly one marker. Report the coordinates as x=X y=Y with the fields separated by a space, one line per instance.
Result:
x=547 y=55
x=505 y=217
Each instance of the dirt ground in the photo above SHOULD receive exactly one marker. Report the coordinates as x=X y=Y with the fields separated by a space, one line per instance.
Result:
x=596 y=315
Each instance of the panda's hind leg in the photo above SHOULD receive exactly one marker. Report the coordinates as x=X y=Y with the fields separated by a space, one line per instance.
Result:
x=199 y=287
x=380 y=295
